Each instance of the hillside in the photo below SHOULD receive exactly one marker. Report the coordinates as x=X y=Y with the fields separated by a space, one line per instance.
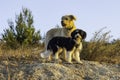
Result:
x=36 y=70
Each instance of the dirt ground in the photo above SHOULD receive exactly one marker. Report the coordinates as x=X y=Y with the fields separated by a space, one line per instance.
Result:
x=37 y=70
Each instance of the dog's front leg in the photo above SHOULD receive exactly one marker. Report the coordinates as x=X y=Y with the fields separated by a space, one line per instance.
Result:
x=77 y=57
x=69 y=57
x=77 y=53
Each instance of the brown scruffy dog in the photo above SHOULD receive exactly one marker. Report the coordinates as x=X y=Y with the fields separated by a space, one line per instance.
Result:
x=68 y=26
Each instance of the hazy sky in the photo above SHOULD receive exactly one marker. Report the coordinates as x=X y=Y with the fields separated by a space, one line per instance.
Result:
x=92 y=15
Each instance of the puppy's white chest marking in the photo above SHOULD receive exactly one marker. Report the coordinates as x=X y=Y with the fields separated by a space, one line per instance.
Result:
x=79 y=47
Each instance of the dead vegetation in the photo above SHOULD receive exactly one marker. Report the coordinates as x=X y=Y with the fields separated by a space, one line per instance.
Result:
x=101 y=49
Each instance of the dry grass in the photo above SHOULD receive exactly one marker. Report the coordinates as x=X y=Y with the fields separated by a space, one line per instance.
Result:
x=30 y=53
x=92 y=51
x=99 y=48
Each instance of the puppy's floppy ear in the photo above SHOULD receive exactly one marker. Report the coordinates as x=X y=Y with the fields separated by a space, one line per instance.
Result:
x=83 y=34
x=73 y=33
x=72 y=17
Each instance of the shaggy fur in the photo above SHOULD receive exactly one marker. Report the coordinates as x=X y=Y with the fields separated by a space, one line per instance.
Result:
x=68 y=45
x=68 y=26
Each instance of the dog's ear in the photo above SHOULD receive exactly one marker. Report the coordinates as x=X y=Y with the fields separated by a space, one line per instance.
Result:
x=73 y=34
x=72 y=17
x=83 y=34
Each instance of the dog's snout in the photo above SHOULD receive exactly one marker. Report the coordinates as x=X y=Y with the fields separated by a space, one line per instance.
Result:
x=77 y=36
x=63 y=24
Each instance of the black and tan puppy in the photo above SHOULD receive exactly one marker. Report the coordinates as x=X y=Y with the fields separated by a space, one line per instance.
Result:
x=68 y=45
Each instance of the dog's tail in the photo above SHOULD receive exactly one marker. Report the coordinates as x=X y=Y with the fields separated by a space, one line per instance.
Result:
x=45 y=54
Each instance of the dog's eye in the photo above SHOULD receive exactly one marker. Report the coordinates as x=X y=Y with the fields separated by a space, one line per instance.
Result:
x=66 y=18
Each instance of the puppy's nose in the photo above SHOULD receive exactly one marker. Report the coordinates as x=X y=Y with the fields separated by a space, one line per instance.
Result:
x=63 y=24
x=77 y=36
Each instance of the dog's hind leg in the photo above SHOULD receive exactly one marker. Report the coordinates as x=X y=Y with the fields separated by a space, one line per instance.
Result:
x=58 y=52
x=56 y=55
x=64 y=54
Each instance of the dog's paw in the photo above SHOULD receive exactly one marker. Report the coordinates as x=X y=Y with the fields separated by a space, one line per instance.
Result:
x=57 y=60
x=80 y=62
x=69 y=62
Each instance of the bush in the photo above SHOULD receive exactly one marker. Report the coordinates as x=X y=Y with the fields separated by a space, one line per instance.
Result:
x=101 y=49
x=23 y=34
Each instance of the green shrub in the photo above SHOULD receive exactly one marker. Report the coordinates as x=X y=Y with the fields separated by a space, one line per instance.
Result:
x=23 y=34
